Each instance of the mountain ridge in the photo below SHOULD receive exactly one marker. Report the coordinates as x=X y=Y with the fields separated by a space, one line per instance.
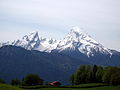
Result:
x=75 y=39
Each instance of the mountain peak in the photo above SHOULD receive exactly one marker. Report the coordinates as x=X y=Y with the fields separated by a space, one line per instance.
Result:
x=31 y=36
x=76 y=29
x=77 y=32
x=78 y=40
x=28 y=41
x=34 y=33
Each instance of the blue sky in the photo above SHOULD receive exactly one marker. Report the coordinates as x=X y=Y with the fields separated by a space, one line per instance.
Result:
x=54 y=18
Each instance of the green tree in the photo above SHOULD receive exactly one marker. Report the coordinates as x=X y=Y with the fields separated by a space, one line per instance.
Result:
x=108 y=72
x=90 y=74
x=32 y=79
x=72 y=79
x=115 y=78
x=15 y=82
x=82 y=75
x=78 y=77
x=94 y=70
x=99 y=74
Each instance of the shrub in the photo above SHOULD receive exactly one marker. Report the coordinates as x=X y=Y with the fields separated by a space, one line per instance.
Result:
x=32 y=79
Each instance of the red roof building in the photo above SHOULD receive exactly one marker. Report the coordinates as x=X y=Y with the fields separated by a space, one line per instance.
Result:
x=55 y=83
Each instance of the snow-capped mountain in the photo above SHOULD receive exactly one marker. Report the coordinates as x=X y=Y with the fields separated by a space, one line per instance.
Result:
x=34 y=42
x=28 y=41
x=78 y=40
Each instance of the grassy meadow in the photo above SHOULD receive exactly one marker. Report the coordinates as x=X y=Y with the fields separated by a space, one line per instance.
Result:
x=85 y=87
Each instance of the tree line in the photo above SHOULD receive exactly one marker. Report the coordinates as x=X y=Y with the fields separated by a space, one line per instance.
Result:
x=96 y=74
x=84 y=74
x=28 y=80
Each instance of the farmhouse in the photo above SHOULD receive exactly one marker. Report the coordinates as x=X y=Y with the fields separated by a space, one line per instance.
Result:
x=55 y=83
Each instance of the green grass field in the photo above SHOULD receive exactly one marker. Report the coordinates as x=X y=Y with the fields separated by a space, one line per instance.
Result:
x=97 y=88
x=9 y=87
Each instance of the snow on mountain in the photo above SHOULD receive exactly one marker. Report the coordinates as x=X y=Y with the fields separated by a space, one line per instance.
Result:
x=47 y=45
x=28 y=41
x=6 y=43
x=75 y=40
x=79 y=40
x=34 y=42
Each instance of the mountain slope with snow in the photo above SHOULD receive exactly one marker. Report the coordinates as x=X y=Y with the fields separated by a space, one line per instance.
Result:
x=3 y=44
x=28 y=41
x=75 y=41
x=79 y=40
x=34 y=42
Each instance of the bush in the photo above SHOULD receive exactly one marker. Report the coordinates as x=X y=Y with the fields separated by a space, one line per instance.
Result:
x=32 y=79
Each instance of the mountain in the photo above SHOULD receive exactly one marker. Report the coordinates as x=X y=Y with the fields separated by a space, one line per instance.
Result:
x=4 y=43
x=28 y=41
x=76 y=44
x=78 y=40
x=16 y=62
x=80 y=45
x=53 y=59
x=34 y=42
